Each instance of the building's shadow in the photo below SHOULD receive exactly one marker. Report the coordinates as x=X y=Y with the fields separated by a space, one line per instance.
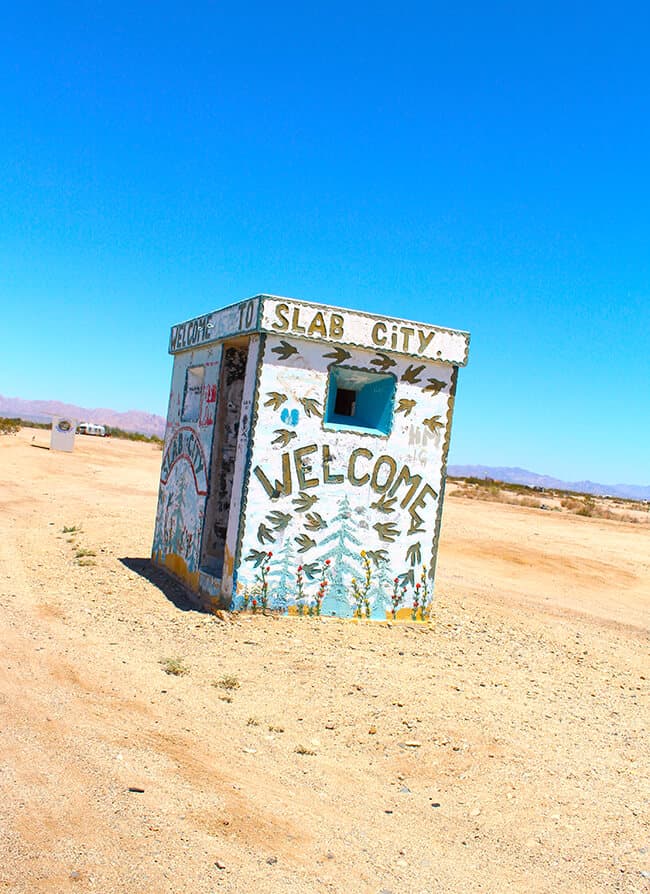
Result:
x=166 y=584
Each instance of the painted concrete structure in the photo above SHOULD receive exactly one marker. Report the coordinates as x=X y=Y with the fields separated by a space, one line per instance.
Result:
x=63 y=432
x=304 y=460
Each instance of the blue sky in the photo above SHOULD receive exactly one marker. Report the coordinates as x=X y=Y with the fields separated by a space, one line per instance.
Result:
x=477 y=166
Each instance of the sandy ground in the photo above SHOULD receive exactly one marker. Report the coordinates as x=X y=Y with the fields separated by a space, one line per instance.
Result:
x=502 y=748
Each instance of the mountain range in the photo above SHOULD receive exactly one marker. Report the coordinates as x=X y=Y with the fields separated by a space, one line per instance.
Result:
x=43 y=410
x=151 y=424
x=533 y=479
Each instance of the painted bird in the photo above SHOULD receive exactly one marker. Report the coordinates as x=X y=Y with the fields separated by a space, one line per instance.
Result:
x=275 y=399
x=315 y=522
x=384 y=504
x=284 y=350
x=435 y=386
x=414 y=554
x=257 y=556
x=411 y=374
x=383 y=362
x=311 y=569
x=377 y=556
x=405 y=406
x=407 y=578
x=387 y=531
x=304 y=501
x=279 y=520
x=338 y=355
x=283 y=436
x=311 y=406
x=264 y=534
x=305 y=543
x=433 y=424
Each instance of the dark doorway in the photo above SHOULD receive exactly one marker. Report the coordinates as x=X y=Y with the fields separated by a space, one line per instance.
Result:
x=224 y=452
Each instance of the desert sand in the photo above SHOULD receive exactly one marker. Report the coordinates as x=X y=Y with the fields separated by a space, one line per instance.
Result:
x=503 y=747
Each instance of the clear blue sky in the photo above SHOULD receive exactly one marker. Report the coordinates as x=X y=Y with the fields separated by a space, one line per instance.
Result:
x=478 y=166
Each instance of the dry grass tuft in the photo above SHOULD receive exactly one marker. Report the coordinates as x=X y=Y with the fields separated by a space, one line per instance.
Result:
x=227 y=682
x=83 y=553
x=174 y=667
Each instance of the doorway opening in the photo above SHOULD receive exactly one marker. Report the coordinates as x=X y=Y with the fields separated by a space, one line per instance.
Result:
x=224 y=454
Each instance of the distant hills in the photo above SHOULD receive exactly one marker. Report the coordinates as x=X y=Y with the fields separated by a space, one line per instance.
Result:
x=43 y=410
x=532 y=479
x=151 y=424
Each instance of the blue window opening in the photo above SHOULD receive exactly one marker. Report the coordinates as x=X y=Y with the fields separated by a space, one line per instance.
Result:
x=360 y=400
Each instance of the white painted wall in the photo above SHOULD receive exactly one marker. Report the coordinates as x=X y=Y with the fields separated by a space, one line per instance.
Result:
x=322 y=519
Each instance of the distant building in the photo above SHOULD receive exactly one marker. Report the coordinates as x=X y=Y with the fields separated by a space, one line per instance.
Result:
x=304 y=459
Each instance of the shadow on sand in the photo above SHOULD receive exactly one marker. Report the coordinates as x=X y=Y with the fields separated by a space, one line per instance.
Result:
x=167 y=585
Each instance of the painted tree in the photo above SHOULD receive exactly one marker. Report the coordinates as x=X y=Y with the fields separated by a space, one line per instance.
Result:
x=282 y=575
x=381 y=589
x=177 y=534
x=341 y=547
x=159 y=531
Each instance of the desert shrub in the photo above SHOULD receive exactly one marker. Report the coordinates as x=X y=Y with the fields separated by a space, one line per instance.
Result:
x=17 y=423
x=571 y=504
x=9 y=426
x=495 y=493
x=115 y=432
x=227 y=682
x=588 y=508
x=174 y=667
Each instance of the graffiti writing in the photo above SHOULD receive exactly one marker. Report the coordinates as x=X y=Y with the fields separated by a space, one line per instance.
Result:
x=185 y=445
x=187 y=335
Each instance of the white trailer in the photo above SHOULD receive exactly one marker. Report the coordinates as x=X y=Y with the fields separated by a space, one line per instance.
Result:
x=90 y=428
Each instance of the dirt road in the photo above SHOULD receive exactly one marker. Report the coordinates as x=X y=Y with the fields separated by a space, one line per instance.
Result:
x=503 y=748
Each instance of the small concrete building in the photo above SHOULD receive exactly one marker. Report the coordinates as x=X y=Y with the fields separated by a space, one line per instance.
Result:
x=304 y=460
